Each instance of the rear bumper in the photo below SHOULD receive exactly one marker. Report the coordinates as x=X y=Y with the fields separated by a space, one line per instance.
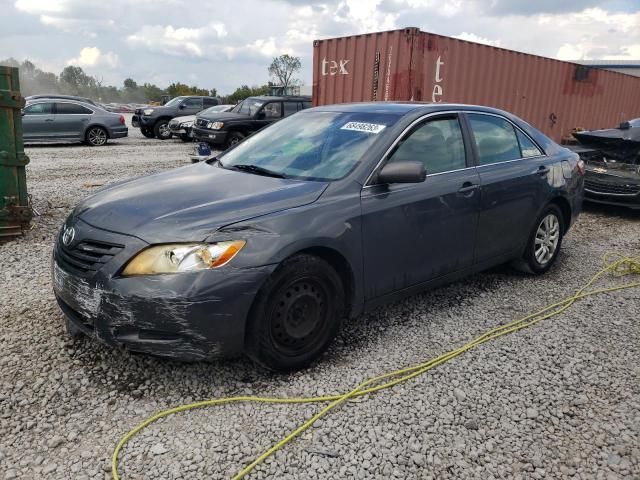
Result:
x=212 y=137
x=119 y=132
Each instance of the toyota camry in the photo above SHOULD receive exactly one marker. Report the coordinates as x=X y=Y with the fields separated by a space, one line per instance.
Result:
x=266 y=248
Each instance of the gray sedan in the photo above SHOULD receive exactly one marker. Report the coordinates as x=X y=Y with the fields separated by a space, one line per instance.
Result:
x=54 y=120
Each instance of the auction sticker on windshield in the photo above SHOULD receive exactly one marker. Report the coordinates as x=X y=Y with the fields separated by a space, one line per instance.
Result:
x=364 y=127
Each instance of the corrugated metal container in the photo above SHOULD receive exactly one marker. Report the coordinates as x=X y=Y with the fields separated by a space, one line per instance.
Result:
x=15 y=211
x=408 y=64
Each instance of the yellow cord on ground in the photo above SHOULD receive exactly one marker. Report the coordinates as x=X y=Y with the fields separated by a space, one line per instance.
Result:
x=615 y=264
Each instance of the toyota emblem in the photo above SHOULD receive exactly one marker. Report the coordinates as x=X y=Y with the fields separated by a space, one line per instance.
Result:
x=68 y=236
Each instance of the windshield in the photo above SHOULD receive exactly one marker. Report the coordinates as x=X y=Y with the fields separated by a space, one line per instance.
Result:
x=321 y=146
x=173 y=101
x=248 y=106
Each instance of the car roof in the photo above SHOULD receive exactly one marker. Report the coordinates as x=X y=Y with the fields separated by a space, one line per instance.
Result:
x=60 y=96
x=280 y=97
x=405 y=107
x=90 y=106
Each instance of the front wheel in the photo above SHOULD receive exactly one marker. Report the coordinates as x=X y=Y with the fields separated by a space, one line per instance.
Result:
x=296 y=314
x=544 y=242
x=161 y=130
x=234 y=138
x=96 y=136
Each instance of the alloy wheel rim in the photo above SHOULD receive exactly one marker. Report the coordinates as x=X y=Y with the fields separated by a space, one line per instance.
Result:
x=97 y=136
x=547 y=238
x=164 y=130
x=299 y=316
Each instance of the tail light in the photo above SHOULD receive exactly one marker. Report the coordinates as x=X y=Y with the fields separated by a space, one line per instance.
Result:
x=122 y=119
x=580 y=166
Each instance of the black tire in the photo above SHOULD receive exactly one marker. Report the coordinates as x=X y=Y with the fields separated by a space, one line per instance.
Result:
x=72 y=330
x=234 y=138
x=296 y=315
x=530 y=262
x=185 y=138
x=96 y=136
x=147 y=132
x=161 y=130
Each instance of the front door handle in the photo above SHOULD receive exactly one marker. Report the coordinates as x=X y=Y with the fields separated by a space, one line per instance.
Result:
x=543 y=170
x=48 y=119
x=468 y=188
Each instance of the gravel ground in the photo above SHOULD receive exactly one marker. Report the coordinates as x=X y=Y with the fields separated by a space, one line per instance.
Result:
x=559 y=400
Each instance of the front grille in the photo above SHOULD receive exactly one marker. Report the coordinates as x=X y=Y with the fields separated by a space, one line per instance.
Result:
x=87 y=256
x=138 y=111
x=611 y=188
x=201 y=122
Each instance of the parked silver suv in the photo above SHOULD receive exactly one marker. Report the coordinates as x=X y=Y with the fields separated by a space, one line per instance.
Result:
x=55 y=120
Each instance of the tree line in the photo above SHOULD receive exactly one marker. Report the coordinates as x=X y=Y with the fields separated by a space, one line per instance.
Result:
x=73 y=80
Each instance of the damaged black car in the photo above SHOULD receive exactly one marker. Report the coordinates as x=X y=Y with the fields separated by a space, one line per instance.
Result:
x=612 y=159
x=330 y=212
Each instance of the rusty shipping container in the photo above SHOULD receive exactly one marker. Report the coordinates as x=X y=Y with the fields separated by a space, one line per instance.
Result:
x=408 y=64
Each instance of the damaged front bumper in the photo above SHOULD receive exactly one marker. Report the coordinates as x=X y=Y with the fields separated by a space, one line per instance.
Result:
x=186 y=316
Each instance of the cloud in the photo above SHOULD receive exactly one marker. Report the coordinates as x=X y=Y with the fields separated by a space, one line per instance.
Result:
x=41 y=6
x=92 y=56
x=176 y=41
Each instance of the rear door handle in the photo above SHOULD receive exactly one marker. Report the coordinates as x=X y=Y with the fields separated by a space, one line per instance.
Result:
x=543 y=170
x=468 y=187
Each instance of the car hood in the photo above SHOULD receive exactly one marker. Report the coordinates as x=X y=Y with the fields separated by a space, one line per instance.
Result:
x=223 y=116
x=186 y=118
x=190 y=203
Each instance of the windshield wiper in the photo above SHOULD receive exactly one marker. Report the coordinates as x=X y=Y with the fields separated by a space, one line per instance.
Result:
x=258 y=170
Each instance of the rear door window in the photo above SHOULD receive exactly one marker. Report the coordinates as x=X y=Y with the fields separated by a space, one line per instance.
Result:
x=71 y=109
x=527 y=147
x=39 y=109
x=436 y=143
x=210 y=102
x=495 y=139
x=306 y=104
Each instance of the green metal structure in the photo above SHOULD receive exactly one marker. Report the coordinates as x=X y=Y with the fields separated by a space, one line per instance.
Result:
x=15 y=209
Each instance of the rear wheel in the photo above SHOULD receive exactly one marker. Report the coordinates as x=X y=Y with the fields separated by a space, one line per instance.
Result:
x=544 y=242
x=161 y=130
x=147 y=132
x=296 y=315
x=96 y=136
x=234 y=138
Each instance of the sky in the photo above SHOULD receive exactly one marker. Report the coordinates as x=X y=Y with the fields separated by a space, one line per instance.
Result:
x=226 y=44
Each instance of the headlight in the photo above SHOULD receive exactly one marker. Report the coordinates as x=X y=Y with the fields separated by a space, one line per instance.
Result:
x=180 y=257
x=215 y=125
x=186 y=124
x=148 y=111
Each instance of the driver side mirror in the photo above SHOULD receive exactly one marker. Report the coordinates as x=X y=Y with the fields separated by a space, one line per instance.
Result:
x=182 y=106
x=261 y=115
x=402 y=172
